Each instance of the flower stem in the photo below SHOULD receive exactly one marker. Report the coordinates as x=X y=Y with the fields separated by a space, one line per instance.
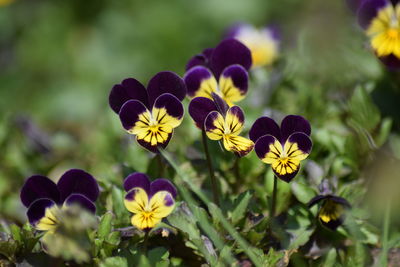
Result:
x=385 y=238
x=145 y=242
x=161 y=165
x=236 y=172
x=273 y=201
x=214 y=183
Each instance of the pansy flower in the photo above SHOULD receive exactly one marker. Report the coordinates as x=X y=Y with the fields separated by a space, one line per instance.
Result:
x=263 y=43
x=222 y=70
x=282 y=147
x=151 y=115
x=332 y=211
x=221 y=122
x=150 y=202
x=381 y=22
x=44 y=198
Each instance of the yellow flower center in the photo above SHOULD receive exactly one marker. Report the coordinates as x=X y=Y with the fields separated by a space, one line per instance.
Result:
x=393 y=33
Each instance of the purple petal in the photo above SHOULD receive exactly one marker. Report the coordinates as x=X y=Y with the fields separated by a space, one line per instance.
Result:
x=221 y=105
x=37 y=209
x=194 y=79
x=137 y=179
x=288 y=176
x=316 y=200
x=239 y=77
x=78 y=181
x=128 y=89
x=129 y=113
x=230 y=52
x=233 y=31
x=36 y=187
x=391 y=62
x=199 y=108
x=341 y=201
x=162 y=184
x=262 y=145
x=202 y=59
x=368 y=11
x=154 y=149
x=82 y=201
x=302 y=140
x=166 y=82
x=294 y=123
x=263 y=126
x=171 y=104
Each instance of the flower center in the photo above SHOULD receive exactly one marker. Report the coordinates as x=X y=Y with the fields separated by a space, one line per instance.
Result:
x=393 y=33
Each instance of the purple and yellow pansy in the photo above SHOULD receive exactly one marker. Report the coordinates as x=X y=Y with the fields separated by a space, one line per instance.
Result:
x=222 y=70
x=150 y=202
x=283 y=147
x=221 y=122
x=381 y=21
x=263 y=43
x=151 y=115
x=44 y=198
x=332 y=211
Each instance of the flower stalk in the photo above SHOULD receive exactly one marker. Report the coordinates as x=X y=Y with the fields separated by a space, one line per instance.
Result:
x=214 y=183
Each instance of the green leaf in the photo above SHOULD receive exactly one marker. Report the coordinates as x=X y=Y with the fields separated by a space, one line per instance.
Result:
x=114 y=262
x=362 y=109
x=158 y=257
x=105 y=225
x=302 y=192
x=241 y=203
x=330 y=259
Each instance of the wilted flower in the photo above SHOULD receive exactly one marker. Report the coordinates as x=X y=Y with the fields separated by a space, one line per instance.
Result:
x=149 y=201
x=282 y=147
x=381 y=21
x=151 y=115
x=332 y=211
x=263 y=43
x=44 y=198
x=222 y=70
x=221 y=122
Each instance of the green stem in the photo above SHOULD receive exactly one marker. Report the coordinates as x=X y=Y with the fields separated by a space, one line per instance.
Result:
x=161 y=166
x=214 y=183
x=145 y=242
x=273 y=201
x=385 y=240
x=236 y=172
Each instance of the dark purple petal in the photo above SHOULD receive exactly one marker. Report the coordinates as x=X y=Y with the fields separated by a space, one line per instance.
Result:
x=169 y=200
x=288 y=176
x=194 y=78
x=221 y=105
x=37 y=209
x=172 y=105
x=129 y=113
x=239 y=77
x=137 y=179
x=303 y=141
x=294 y=123
x=354 y=5
x=166 y=82
x=263 y=126
x=391 y=62
x=128 y=89
x=262 y=145
x=80 y=182
x=199 y=108
x=36 y=187
x=341 y=201
x=82 y=201
x=333 y=224
x=368 y=11
x=230 y=52
x=154 y=149
x=233 y=31
x=162 y=185
x=316 y=200
x=202 y=59
x=209 y=123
